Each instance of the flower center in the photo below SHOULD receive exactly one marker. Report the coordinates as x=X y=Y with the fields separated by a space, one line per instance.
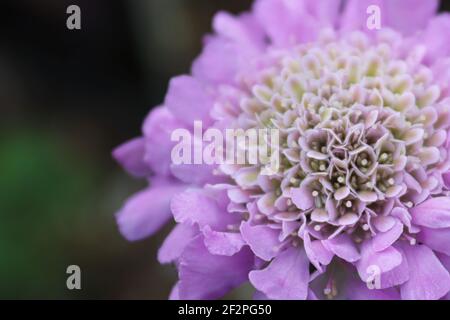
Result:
x=360 y=133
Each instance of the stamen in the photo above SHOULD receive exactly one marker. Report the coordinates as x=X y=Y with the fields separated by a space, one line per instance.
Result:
x=349 y=204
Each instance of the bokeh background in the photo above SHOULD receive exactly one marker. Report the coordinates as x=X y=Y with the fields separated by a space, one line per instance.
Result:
x=67 y=98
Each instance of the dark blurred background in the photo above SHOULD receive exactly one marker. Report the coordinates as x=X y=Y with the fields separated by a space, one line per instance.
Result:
x=67 y=98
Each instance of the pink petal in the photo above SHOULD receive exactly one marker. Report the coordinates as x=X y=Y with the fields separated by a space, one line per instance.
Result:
x=262 y=240
x=433 y=213
x=302 y=198
x=146 y=212
x=343 y=247
x=286 y=278
x=197 y=174
x=202 y=207
x=394 y=14
x=386 y=260
x=437 y=46
x=176 y=242
x=188 y=100
x=435 y=239
x=384 y=240
x=222 y=243
x=131 y=156
x=316 y=252
x=158 y=128
x=206 y=276
x=428 y=279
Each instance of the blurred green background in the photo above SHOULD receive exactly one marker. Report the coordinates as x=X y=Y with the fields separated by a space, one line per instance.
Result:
x=67 y=98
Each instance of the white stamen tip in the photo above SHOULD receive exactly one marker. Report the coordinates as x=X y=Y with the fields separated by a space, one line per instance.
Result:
x=317 y=228
x=349 y=204
x=366 y=227
x=315 y=193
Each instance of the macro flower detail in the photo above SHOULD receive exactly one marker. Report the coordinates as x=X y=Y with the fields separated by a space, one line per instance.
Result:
x=361 y=196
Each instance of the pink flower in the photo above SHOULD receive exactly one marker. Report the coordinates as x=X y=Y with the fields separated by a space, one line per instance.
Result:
x=362 y=197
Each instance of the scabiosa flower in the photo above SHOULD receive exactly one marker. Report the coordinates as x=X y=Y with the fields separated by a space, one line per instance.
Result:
x=363 y=190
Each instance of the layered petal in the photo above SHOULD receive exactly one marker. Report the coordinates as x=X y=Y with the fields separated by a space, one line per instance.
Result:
x=130 y=155
x=176 y=242
x=158 y=129
x=428 y=279
x=146 y=212
x=394 y=14
x=286 y=278
x=289 y=22
x=435 y=239
x=433 y=213
x=383 y=263
x=223 y=243
x=262 y=240
x=189 y=100
x=206 y=276
x=344 y=247
x=204 y=208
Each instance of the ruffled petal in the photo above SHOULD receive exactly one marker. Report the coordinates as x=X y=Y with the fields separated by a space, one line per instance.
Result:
x=197 y=174
x=286 y=278
x=202 y=207
x=222 y=243
x=243 y=30
x=383 y=261
x=428 y=279
x=316 y=252
x=437 y=45
x=158 y=128
x=435 y=239
x=146 y=212
x=130 y=155
x=433 y=213
x=286 y=22
x=176 y=242
x=189 y=101
x=218 y=63
x=395 y=14
x=358 y=290
x=206 y=276
x=384 y=240
x=302 y=198
x=343 y=247
x=262 y=240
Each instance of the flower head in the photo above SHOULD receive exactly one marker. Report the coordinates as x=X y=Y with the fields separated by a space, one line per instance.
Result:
x=361 y=198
